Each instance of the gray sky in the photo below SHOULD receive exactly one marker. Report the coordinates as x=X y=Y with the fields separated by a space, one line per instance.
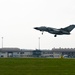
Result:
x=18 y=17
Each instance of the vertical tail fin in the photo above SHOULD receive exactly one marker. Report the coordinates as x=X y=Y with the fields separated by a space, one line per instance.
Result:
x=69 y=28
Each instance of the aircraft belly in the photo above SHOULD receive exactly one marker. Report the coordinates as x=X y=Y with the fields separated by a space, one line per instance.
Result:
x=55 y=32
x=59 y=32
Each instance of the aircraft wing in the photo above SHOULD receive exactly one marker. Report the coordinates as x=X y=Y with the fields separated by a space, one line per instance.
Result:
x=53 y=29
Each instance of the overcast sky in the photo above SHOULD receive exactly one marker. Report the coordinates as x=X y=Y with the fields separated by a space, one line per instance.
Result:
x=19 y=17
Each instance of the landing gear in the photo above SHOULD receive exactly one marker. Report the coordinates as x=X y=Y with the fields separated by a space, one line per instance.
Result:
x=55 y=35
x=42 y=33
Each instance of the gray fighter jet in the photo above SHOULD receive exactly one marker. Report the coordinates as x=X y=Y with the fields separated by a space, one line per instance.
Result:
x=55 y=31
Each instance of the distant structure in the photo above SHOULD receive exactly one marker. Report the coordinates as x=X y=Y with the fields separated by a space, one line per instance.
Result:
x=2 y=42
x=65 y=52
x=28 y=53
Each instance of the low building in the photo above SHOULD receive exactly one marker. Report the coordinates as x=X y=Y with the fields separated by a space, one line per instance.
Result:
x=28 y=53
x=64 y=52
x=37 y=53
x=47 y=53
x=9 y=52
x=24 y=53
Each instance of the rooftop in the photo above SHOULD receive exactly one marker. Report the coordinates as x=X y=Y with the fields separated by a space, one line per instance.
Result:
x=9 y=49
x=64 y=49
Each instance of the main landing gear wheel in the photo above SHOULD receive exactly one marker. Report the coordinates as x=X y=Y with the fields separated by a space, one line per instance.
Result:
x=55 y=35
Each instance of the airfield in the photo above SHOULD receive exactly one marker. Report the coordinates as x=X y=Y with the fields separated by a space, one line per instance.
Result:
x=37 y=66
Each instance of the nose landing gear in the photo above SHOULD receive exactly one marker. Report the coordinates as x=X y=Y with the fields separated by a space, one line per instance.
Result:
x=42 y=33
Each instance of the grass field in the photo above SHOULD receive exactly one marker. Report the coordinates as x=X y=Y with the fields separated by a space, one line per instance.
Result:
x=36 y=66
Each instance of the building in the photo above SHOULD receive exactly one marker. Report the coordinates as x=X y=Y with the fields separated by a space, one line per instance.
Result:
x=28 y=53
x=47 y=53
x=64 y=52
x=9 y=52
x=37 y=53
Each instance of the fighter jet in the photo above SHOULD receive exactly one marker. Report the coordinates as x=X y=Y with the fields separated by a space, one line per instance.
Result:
x=56 y=31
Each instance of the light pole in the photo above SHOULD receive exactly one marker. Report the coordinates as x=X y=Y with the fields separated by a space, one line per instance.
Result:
x=39 y=43
x=2 y=42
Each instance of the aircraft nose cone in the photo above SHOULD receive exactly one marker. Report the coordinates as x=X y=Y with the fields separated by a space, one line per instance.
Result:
x=35 y=28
